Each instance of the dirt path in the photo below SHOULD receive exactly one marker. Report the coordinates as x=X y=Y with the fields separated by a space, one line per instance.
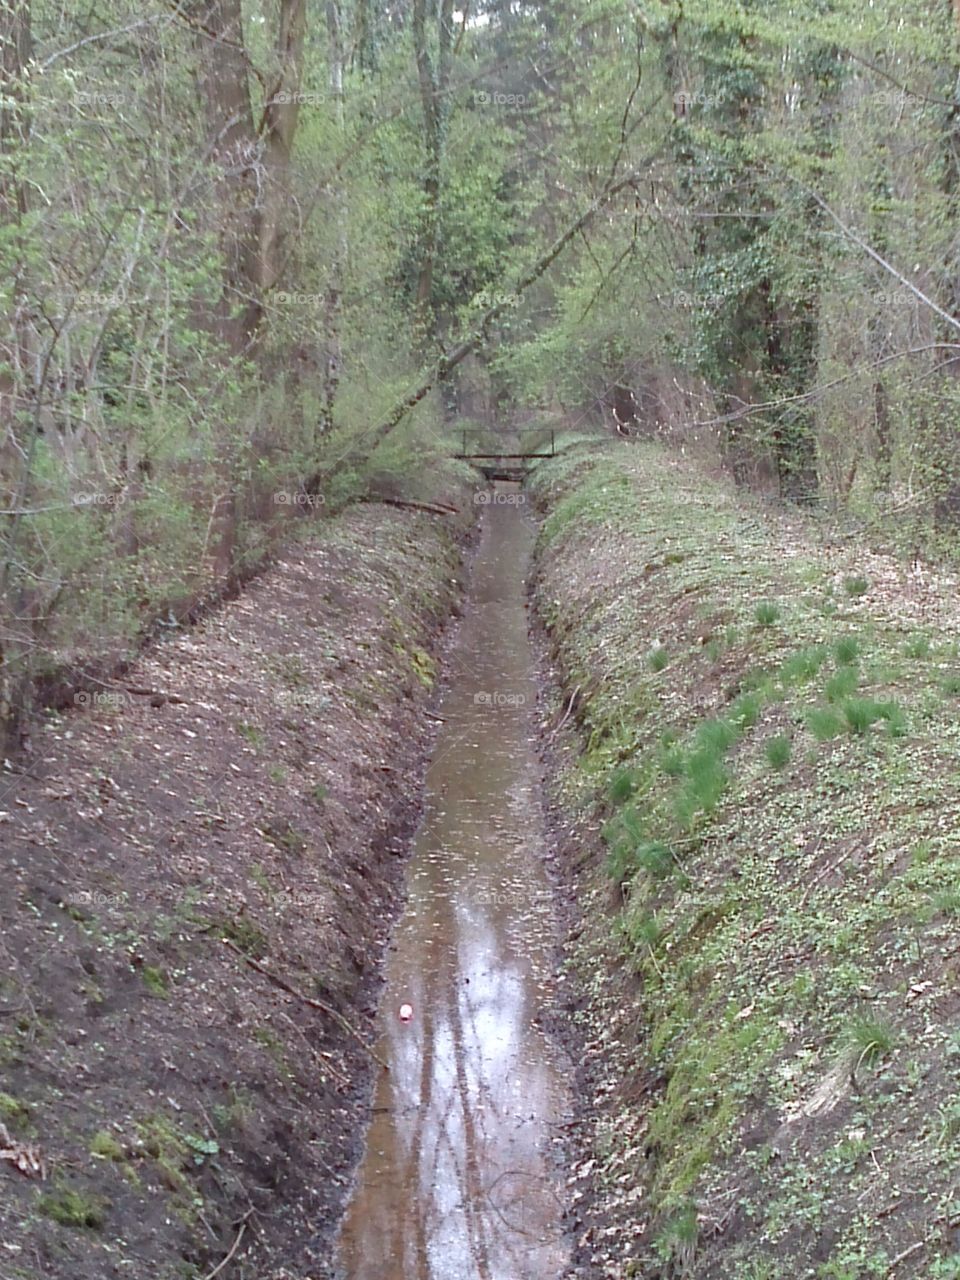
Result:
x=255 y=789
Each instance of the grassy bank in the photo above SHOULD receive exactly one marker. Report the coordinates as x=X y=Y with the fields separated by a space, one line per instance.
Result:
x=761 y=766
x=200 y=869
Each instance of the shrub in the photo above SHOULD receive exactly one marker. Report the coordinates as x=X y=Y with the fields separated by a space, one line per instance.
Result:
x=856 y=585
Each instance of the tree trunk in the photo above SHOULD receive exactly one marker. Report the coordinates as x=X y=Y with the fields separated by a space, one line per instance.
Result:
x=434 y=85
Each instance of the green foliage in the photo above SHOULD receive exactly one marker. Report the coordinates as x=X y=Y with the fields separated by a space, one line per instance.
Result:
x=855 y=585
x=622 y=786
x=860 y=714
x=72 y=1208
x=766 y=613
x=777 y=752
x=803 y=666
x=869 y=1039
x=846 y=650
x=658 y=659
x=824 y=723
x=841 y=685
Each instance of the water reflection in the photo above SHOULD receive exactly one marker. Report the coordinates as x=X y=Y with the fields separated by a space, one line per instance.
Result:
x=456 y=1182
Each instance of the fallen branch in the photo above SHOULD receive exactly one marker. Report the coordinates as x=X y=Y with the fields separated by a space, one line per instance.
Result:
x=406 y=504
x=566 y=714
x=236 y=1245
x=902 y=1257
x=155 y=693
x=309 y=1000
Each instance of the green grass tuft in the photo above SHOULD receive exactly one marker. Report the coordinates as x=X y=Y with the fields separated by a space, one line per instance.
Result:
x=868 y=1040
x=917 y=646
x=855 y=585
x=716 y=736
x=824 y=723
x=841 y=685
x=655 y=858
x=846 y=651
x=778 y=752
x=622 y=786
x=658 y=658
x=745 y=712
x=705 y=782
x=803 y=666
x=73 y=1209
x=766 y=613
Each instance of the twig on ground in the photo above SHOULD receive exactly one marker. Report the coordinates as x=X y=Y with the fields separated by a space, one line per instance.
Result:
x=308 y=1000
x=233 y=1249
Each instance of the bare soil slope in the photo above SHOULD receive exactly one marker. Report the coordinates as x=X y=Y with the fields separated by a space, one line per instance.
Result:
x=166 y=852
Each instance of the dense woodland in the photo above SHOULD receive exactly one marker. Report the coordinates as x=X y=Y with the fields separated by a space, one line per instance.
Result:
x=258 y=260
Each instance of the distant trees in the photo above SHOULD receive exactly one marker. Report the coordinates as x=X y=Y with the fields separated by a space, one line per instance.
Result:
x=247 y=257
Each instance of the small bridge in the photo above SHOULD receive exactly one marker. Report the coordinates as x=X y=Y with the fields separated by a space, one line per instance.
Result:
x=505 y=466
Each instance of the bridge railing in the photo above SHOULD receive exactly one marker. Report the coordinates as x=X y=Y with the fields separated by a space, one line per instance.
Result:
x=529 y=442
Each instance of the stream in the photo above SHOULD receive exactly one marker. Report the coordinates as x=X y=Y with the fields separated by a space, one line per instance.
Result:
x=457 y=1181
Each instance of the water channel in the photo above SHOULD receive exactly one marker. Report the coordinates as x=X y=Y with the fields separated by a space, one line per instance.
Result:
x=458 y=1180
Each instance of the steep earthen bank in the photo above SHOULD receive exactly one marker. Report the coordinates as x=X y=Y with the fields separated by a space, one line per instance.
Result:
x=210 y=846
x=754 y=739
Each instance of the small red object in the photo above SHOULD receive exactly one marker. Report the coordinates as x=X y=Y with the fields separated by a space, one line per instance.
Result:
x=406 y=1012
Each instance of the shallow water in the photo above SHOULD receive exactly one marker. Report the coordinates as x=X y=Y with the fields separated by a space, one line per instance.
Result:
x=457 y=1179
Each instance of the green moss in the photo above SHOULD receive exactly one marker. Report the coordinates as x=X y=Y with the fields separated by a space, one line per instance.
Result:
x=73 y=1208
x=12 y=1110
x=105 y=1145
x=154 y=980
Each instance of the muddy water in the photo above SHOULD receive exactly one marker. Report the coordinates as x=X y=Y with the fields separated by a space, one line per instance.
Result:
x=457 y=1179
